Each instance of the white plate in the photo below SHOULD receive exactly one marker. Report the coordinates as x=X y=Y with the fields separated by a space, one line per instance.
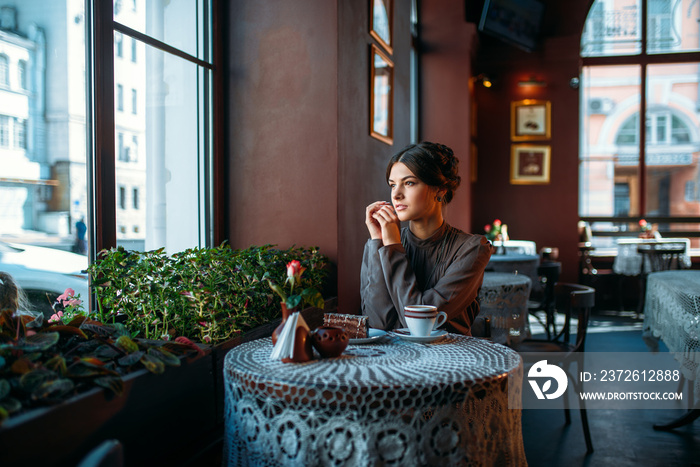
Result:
x=373 y=335
x=404 y=334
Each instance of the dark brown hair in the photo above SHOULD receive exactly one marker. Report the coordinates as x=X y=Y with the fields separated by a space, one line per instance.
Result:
x=434 y=164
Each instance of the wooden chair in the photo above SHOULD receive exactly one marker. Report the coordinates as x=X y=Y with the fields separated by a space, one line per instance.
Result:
x=657 y=257
x=548 y=273
x=571 y=300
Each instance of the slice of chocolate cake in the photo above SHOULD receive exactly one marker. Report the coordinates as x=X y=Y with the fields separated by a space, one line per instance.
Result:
x=355 y=325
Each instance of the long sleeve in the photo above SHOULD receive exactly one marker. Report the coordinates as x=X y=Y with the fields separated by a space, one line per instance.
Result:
x=451 y=284
x=375 y=299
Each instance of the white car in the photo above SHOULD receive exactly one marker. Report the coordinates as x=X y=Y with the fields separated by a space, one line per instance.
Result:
x=44 y=273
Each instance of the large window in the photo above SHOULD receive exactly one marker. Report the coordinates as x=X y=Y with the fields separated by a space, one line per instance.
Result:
x=640 y=144
x=140 y=176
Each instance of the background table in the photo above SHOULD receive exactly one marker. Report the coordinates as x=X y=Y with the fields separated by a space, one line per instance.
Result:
x=390 y=403
x=672 y=313
x=517 y=247
x=629 y=262
x=512 y=263
x=503 y=298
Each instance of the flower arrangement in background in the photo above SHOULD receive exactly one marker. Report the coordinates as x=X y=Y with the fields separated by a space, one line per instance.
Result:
x=644 y=226
x=496 y=230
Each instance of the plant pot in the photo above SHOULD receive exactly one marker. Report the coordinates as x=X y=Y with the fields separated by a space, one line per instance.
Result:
x=159 y=419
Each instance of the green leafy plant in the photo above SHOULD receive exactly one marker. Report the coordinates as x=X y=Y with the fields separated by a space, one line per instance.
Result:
x=206 y=294
x=45 y=363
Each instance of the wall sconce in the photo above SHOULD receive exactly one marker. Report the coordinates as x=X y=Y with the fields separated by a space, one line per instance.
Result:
x=484 y=80
x=532 y=82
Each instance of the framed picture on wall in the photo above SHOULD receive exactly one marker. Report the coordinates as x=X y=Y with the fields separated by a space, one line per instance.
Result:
x=529 y=164
x=530 y=120
x=381 y=96
x=380 y=20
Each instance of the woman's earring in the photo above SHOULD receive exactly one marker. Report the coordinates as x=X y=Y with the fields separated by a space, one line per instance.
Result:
x=438 y=199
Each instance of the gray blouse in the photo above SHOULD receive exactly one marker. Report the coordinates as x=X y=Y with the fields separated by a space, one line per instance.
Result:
x=445 y=270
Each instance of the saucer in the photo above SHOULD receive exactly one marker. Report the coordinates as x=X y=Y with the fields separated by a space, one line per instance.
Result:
x=373 y=335
x=405 y=334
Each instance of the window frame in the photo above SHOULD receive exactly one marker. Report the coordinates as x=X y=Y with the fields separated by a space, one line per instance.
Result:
x=643 y=59
x=101 y=163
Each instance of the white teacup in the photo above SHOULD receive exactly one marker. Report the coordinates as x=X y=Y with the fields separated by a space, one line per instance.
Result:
x=422 y=320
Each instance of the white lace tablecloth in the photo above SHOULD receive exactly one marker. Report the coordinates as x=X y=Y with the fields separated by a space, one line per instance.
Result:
x=390 y=403
x=629 y=262
x=672 y=313
x=503 y=298
x=517 y=247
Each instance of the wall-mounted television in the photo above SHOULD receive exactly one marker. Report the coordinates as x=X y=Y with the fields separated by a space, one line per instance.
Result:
x=517 y=22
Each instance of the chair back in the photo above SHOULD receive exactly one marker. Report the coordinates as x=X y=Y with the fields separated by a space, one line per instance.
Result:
x=661 y=256
x=578 y=300
x=548 y=273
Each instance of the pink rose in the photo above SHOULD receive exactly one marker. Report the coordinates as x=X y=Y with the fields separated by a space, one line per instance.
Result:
x=496 y=222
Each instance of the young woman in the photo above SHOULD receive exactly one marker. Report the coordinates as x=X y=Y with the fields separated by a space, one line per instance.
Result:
x=429 y=262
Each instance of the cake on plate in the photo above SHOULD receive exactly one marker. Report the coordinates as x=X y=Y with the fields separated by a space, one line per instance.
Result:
x=354 y=325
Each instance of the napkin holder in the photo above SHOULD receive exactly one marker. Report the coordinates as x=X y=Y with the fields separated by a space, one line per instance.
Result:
x=293 y=343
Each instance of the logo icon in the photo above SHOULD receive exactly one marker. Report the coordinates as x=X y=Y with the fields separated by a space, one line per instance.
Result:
x=542 y=369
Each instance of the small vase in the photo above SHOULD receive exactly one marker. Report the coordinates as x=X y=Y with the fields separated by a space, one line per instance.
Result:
x=303 y=351
x=278 y=329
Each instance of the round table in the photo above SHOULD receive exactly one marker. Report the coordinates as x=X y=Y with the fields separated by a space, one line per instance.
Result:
x=515 y=263
x=503 y=298
x=392 y=402
x=628 y=261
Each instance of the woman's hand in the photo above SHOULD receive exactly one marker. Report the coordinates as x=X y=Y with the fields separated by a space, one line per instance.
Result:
x=375 y=229
x=390 y=225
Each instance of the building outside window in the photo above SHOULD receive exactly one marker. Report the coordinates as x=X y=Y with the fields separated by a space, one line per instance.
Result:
x=4 y=131
x=22 y=74
x=120 y=97
x=118 y=44
x=4 y=70
x=169 y=151
x=636 y=167
x=122 y=197
x=20 y=133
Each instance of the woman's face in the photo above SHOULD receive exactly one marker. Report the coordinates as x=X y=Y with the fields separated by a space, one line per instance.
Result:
x=412 y=199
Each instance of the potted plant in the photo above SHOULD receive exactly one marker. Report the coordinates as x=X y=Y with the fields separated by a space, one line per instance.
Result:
x=72 y=381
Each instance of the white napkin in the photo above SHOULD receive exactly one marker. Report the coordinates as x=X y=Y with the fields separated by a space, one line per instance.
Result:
x=284 y=348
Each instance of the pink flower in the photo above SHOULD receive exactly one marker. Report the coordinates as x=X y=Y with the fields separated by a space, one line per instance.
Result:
x=642 y=222
x=487 y=228
x=67 y=295
x=496 y=222
x=56 y=317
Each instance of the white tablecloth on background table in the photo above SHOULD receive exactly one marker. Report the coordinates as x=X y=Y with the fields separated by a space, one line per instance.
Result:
x=629 y=262
x=503 y=298
x=517 y=247
x=389 y=403
x=672 y=313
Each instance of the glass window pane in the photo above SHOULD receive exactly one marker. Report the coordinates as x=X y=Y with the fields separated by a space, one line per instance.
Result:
x=672 y=26
x=612 y=28
x=162 y=176
x=43 y=176
x=178 y=23
x=609 y=174
x=672 y=160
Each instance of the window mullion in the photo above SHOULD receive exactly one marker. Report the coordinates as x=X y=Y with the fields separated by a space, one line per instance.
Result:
x=101 y=159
